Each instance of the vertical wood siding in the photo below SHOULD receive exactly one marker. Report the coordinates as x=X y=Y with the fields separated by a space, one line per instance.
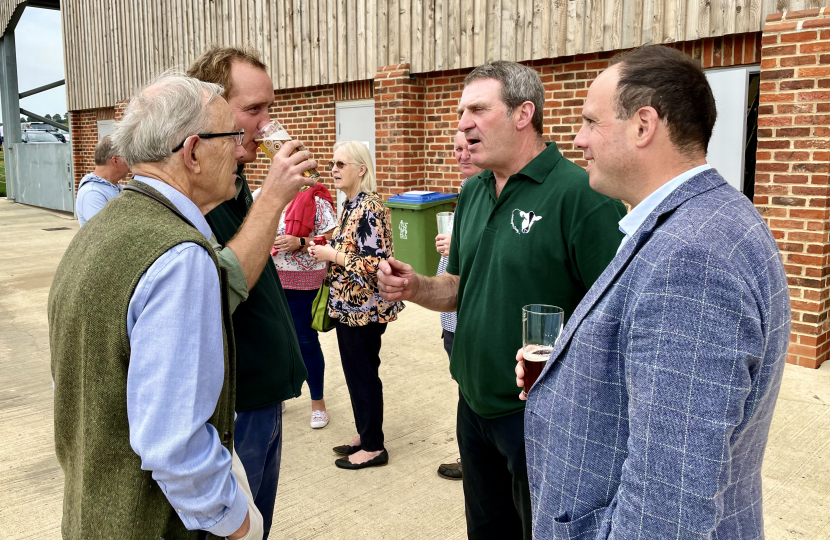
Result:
x=114 y=46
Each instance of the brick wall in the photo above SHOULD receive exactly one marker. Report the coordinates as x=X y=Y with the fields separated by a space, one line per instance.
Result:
x=792 y=191
x=83 y=127
x=566 y=83
x=399 y=130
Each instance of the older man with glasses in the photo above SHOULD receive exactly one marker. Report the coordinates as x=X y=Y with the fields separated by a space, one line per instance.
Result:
x=143 y=355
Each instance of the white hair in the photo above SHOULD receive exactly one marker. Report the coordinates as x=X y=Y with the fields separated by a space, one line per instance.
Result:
x=162 y=115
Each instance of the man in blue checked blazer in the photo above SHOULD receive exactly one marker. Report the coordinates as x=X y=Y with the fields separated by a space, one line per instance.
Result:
x=651 y=418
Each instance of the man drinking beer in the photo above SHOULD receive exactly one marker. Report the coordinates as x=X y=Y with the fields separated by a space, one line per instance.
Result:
x=270 y=368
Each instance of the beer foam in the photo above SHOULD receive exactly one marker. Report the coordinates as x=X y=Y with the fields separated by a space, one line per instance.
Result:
x=279 y=135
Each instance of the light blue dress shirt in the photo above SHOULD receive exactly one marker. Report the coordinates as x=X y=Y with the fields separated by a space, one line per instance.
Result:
x=632 y=220
x=174 y=324
x=93 y=194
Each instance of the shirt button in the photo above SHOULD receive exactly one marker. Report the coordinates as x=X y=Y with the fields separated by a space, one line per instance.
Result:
x=226 y=437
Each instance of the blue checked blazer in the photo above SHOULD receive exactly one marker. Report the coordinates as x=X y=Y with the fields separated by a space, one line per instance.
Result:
x=651 y=418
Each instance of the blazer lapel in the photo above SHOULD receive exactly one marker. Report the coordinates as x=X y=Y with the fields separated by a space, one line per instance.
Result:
x=700 y=183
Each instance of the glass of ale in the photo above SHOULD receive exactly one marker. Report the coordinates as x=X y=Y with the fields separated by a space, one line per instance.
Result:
x=541 y=326
x=271 y=138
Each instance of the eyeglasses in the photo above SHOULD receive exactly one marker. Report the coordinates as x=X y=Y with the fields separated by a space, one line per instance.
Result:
x=237 y=138
x=339 y=164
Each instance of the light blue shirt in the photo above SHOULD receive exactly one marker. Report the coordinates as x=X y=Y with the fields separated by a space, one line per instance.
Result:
x=93 y=194
x=632 y=220
x=176 y=372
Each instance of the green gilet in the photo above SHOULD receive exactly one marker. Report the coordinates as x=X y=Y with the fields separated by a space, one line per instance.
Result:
x=106 y=494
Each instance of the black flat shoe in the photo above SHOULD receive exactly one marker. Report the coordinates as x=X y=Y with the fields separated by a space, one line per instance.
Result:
x=346 y=450
x=377 y=461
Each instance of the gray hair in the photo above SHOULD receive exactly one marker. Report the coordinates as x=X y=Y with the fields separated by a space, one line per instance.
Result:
x=518 y=84
x=162 y=115
x=104 y=151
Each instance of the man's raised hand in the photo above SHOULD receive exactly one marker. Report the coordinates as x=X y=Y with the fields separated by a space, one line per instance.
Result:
x=285 y=177
x=396 y=280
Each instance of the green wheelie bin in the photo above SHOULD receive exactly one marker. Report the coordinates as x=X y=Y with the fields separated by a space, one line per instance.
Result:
x=414 y=227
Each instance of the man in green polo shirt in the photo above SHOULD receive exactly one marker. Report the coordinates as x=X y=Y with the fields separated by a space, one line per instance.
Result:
x=528 y=230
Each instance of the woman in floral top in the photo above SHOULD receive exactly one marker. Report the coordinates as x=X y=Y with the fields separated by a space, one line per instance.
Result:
x=361 y=240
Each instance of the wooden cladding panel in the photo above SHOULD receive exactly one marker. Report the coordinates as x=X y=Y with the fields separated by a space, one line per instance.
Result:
x=114 y=46
x=7 y=9
x=450 y=35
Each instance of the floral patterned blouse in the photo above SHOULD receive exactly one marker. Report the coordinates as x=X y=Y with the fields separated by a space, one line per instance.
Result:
x=364 y=235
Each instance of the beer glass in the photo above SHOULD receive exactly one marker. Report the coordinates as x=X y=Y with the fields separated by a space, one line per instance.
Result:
x=541 y=326
x=271 y=138
x=444 y=222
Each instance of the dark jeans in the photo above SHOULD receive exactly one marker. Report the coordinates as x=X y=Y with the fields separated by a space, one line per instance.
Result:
x=360 y=355
x=448 y=338
x=257 y=440
x=496 y=490
x=299 y=302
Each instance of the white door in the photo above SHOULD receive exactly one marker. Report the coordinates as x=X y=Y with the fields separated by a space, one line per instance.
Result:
x=105 y=127
x=355 y=122
x=727 y=146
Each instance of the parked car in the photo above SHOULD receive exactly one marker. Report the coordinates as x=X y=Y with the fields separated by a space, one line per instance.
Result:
x=36 y=136
x=43 y=126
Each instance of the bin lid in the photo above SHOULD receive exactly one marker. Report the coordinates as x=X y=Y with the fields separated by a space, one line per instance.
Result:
x=419 y=197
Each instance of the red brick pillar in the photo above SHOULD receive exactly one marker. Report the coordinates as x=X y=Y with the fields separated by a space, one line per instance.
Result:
x=399 y=130
x=792 y=179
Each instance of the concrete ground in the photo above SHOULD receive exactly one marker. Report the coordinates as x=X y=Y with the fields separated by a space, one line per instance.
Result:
x=405 y=499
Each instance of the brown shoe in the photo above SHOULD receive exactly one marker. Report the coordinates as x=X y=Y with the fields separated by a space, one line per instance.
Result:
x=450 y=471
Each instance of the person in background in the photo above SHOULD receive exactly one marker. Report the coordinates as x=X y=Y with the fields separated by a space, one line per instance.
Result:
x=360 y=242
x=102 y=184
x=452 y=471
x=141 y=340
x=270 y=365
x=309 y=217
x=651 y=417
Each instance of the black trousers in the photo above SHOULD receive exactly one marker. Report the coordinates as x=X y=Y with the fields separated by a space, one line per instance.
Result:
x=496 y=490
x=448 y=338
x=360 y=355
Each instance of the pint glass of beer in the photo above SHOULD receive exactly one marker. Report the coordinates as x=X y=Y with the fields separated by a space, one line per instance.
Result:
x=541 y=326
x=271 y=138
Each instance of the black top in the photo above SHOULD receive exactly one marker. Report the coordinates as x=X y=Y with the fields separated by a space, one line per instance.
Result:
x=270 y=367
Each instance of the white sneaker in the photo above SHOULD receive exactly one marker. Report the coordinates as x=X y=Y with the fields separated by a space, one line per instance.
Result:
x=319 y=419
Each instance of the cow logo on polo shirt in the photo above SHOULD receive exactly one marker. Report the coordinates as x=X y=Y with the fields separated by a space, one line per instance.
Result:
x=525 y=220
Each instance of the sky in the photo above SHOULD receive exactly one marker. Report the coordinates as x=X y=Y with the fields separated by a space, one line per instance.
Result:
x=40 y=60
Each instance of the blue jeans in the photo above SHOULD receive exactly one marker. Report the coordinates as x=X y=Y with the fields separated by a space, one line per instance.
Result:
x=299 y=302
x=257 y=440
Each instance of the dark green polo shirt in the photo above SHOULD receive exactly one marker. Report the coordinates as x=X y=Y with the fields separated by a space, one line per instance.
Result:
x=544 y=240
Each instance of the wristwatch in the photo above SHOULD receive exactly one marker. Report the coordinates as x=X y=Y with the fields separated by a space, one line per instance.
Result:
x=302 y=242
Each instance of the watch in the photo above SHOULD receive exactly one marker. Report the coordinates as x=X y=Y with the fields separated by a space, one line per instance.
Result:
x=302 y=242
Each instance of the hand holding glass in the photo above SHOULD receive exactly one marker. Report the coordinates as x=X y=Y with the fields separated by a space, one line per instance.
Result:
x=541 y=326
x=271 y=138
x=444 y=222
